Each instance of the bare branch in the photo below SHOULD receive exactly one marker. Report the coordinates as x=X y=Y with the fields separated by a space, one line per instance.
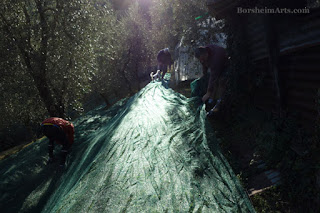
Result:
x=28 y=22
x=44 y=37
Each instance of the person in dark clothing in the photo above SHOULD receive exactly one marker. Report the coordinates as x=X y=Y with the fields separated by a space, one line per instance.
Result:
x=213 y=58
x=164 y=60
x=60 y=131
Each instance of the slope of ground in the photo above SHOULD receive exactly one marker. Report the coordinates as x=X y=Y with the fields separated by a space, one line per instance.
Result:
x=151 y=153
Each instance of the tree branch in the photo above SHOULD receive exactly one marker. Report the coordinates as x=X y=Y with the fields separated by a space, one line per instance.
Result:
x=28 y=22
x=44 y=37
x=122 y=71
x=24 y=53
x=50 y=9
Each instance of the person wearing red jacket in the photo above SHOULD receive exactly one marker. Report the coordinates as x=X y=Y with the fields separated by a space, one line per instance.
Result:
x=60 y=131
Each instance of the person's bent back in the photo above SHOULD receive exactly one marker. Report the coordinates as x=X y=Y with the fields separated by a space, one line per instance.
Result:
x=61 y=132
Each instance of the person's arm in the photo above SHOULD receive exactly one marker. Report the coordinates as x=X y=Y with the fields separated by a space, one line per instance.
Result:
x=50 y=149
x=171 y=60
x=204 y=70
x=71 y=137
x=209 y=91
x=214 y=74
x=65 y=148
x=159 y=60
x=216 y=66
x=163 y=74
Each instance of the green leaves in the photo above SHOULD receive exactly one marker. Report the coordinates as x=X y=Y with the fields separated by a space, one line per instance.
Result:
x=48 y=45
x=54 y=52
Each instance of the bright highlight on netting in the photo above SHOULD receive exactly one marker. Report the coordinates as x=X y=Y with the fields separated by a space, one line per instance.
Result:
x=150 y=153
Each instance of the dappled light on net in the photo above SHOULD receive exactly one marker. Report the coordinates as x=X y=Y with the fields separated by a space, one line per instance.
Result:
x=150 y=153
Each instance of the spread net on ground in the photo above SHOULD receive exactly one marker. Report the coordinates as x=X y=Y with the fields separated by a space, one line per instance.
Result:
x=153 y=152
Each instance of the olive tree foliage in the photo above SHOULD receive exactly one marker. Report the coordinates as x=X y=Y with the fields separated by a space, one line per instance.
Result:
x=121 y=68
x=137 y=28
x=53 y=52
x=109 y=81
x=174 y=19
x=163 y=32
x=194 y=22
x=49 y=50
